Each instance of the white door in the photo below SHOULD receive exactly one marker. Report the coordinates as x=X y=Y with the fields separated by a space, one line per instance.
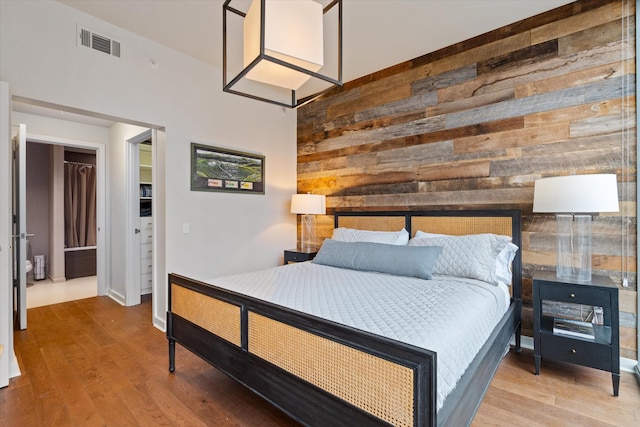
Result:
x=19 y=226
x=139 y=236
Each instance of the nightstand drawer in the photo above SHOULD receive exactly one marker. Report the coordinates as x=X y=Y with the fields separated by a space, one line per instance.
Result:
x=575 y=294
x=299 y=255
x=581 y=352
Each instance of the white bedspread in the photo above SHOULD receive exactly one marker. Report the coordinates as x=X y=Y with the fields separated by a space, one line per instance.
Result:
x=448 y=315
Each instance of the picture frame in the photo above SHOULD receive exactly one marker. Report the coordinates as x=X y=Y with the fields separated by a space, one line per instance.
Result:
x=223 y=170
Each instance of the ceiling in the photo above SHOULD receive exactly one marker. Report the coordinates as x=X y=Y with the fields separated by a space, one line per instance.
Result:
x=376 y=33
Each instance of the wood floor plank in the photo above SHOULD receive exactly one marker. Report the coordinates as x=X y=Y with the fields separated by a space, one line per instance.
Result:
x=81 y=406
x=18 y=403
x=496 y=412
x=546 y=415
x=94 y=362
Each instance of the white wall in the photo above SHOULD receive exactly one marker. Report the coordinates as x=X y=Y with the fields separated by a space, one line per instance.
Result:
x=118 y=203
x=38 y=199
x=229 y=232
x=59 y=128
x=55 y=264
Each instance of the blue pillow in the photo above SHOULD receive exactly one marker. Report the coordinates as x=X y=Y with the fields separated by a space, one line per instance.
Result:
x=413 y=261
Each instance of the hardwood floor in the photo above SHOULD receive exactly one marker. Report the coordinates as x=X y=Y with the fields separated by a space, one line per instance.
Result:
x=92 y=362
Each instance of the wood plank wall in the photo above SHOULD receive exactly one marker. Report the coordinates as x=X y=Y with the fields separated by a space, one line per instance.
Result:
x=474 y=125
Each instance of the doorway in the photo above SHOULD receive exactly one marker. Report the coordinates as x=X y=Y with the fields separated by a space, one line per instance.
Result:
x=56 y=256
x=61 y=219
x=110 y=256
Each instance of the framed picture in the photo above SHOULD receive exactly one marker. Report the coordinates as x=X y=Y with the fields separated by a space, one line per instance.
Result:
x=221 y=169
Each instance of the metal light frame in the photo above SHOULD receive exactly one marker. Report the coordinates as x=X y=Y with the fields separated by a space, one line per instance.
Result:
x=228 y=86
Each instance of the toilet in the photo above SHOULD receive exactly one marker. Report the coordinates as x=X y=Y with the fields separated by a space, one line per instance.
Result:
x=29 y=264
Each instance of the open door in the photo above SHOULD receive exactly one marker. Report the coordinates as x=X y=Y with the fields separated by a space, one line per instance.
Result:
x=140 y=220
x=19 y=227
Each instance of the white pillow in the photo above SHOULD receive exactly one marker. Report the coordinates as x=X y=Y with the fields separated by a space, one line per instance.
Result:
x=503 y=260
x=475 y=256
x=342 y=234
x=423 y=235
x=503 y=263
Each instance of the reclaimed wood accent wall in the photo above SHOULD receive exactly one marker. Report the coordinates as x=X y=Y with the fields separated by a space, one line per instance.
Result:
x=474 y=125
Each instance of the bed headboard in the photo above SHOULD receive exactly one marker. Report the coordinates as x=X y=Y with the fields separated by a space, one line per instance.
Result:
x=503 y=222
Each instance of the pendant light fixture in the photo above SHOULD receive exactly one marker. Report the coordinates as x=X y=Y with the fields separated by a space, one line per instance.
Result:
x=285 y=52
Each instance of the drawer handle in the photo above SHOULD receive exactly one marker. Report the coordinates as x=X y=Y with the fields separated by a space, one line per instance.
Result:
x=573 y=351
x=572 y=295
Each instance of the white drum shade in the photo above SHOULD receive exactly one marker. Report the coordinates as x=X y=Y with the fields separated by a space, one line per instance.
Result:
x=308 y=204
x=293 y=33
x=576 y=194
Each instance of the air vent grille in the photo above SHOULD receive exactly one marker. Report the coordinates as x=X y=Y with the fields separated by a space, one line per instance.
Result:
x=102 y=44
x=92 y=40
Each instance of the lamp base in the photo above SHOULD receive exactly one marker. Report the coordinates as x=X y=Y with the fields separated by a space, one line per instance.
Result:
x=574 y=247
x=308 y=232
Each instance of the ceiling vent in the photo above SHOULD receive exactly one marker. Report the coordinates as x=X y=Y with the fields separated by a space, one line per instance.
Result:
x=90 y=39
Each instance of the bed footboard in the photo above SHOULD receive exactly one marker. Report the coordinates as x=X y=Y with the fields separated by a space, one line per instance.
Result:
x=318 y=372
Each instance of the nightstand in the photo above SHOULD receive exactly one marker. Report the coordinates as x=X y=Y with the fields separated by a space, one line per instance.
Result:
x=300 y=254
x=600 y=352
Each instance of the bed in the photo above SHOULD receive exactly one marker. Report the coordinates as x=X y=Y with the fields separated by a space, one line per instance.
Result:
x=325 y=372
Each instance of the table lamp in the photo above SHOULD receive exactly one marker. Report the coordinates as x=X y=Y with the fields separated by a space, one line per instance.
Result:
x=309 y=205
x=574 y=198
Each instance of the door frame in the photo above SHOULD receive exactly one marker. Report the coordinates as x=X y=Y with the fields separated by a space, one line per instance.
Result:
x=8 y=363
x=102 y=237
x=19 y=190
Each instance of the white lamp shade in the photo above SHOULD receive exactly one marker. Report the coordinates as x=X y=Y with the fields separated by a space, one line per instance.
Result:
x=308 y=204
x=293 y=34
x=576 y=194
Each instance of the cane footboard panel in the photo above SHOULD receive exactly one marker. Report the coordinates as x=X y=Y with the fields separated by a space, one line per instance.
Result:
x=373 y=384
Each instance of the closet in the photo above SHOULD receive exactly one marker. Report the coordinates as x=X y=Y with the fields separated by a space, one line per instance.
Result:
x=146 y=219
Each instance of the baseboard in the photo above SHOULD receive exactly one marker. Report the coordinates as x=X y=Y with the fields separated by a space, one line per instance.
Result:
x=57 y=279
x=117 y=297
x=14 y=367
x=626 y=365
x=160 y=323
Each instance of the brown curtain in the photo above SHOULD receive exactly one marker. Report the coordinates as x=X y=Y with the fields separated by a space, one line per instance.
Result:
x=79 y=205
